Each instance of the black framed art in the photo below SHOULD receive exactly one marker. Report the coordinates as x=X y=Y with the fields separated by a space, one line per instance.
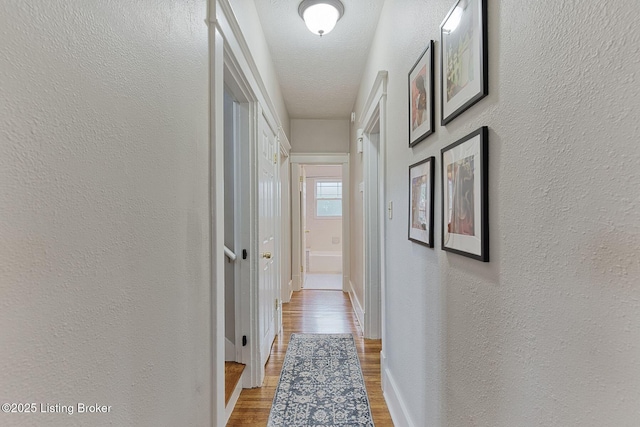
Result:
x=464 y=75
x=421 y=97
x=465 y=192
x=421 y=176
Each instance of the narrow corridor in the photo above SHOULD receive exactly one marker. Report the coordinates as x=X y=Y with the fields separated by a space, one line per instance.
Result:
x=318 y=281
x=313 y=311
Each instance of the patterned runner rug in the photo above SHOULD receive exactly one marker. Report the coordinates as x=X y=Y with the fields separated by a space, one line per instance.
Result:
x=321 y=384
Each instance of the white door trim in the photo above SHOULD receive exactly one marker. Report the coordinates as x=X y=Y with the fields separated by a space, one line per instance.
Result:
x=229 y=47
x=284 y=207
x=320 y=159
x=237 y=46
x=296 y=232
x=246 y=207
x=244 y=105
x=216 y=221
x=296 y=250
x=374 y=158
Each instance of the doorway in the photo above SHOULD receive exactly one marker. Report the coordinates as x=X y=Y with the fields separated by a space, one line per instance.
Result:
x=240 y=277
x=320 y=214
x=375 y=208
x=322 y=224
x=230 y=241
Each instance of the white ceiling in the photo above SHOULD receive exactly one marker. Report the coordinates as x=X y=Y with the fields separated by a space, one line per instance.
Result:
x=319 y=76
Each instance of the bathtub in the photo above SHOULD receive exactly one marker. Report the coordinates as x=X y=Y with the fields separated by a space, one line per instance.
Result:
x=324 y=261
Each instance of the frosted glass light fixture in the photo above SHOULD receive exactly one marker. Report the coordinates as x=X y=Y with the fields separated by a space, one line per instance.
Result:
x=456 y=16
x=321 y=15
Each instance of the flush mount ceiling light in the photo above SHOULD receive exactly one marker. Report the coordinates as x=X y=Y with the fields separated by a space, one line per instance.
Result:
x=321 y=15
x=455 y=17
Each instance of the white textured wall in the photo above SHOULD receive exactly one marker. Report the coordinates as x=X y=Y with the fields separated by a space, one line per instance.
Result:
x=104 y=259
x=548 y=332
x=319 y=136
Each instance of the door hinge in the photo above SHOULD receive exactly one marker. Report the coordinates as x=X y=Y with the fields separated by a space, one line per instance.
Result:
x=301 y=269
x=275 y=159
x=301 y=178
x=276 y=305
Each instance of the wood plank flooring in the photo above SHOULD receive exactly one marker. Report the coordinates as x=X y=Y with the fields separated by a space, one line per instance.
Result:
x=232 y=375
x=313 y=312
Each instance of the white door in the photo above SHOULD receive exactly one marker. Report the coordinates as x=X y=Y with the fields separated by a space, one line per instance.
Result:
x=303 y=224
x=266 y=237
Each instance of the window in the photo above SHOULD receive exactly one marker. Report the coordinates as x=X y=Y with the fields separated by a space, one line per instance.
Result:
x=328 y=199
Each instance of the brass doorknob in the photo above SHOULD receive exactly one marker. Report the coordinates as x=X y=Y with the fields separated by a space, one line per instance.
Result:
x=266 y=255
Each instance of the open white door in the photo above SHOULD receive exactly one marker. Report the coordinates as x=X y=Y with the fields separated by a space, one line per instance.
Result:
x=266 y=237
x=303 y=226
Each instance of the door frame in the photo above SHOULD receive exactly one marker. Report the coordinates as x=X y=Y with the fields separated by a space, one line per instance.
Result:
x=272 y=162
x=245 y=107
x=231 y=58
x=246 y=291
x=216 y=220
x=296 y=232
x=373 y=121
x=284 y=224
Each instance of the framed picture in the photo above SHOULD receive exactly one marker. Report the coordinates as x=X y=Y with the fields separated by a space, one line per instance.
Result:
x=421 y=202
x=421 y=111
x=465 y=208
x=463 y=58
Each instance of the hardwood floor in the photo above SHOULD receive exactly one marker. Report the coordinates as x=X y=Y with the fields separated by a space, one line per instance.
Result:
x=313 y=312
x=232 y=374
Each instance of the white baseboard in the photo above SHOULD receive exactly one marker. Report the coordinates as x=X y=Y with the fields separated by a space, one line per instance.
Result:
x=397 y=408
x=229 y=351
x=357 y=307
x=295 y=283
x=228 y=410
x=286 y=292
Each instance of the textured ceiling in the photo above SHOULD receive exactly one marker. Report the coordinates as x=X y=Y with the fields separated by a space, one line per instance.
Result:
x=319 y=76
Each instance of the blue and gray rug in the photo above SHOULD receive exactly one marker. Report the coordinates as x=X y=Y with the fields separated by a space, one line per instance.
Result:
x=321 y=384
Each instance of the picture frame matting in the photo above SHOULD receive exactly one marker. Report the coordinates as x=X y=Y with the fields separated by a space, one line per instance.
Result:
x=465 y=192
x=421 y=178
x=421 y=97
x=464 y=61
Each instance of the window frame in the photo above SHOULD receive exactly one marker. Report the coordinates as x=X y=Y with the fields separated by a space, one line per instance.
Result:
x=316 y=199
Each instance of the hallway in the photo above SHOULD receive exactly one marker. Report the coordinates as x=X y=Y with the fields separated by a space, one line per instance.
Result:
x=317 y=281
x=112 y=207
x=313 y=311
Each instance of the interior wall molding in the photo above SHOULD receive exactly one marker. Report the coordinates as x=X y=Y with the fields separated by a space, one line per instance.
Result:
x=378 y=91
x=320 y=158
x=226 y=22
x=357 y=307
x=395 y=403
x=373 y=119
x=284 y=141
